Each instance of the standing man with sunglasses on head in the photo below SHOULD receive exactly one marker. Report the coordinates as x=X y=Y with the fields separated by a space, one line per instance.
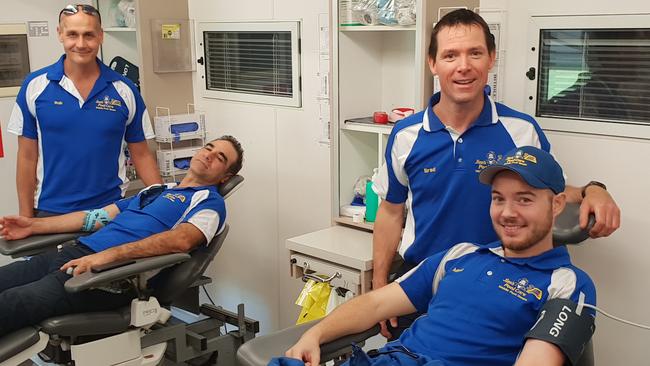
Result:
x=74 y=120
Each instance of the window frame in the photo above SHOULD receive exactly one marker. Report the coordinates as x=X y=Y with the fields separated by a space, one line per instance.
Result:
x=538 y=23
x=260 y=26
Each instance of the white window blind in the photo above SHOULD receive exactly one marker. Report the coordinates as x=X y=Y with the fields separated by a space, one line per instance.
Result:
x=595 y=74
x=252 y=62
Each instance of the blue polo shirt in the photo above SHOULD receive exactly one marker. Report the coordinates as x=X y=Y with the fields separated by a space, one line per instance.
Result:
x=480 y=304
x=81 y=143
x=434 y=171
x=202 y=207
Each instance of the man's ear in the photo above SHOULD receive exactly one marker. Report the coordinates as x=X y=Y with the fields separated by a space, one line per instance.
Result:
x=559 y=202
x=226 y=178
x=432 y=65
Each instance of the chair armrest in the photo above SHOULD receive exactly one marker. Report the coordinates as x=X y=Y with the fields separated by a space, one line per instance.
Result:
x=35 y=244
x=259 y=350
x=89 y=279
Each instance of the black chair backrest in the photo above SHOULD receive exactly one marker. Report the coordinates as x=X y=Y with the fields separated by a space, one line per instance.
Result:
x=173 y=281
x=566 y=229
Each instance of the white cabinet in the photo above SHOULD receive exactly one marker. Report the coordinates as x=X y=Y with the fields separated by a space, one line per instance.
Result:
x=375 y=68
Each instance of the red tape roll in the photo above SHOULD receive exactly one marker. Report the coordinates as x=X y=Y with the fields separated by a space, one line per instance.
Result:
x=380 y=117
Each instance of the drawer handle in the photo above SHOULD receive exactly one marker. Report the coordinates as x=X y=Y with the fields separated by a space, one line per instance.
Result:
x=310 y=276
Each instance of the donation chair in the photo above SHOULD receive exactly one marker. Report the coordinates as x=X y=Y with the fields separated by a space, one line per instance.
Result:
x=259 y=351
x=143 y=333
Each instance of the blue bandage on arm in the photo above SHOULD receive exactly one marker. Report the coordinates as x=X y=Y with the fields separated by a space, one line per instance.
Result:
x=93 y=217
x=565 y=324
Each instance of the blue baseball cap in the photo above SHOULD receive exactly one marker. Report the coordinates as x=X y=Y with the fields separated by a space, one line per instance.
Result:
x=535 y=166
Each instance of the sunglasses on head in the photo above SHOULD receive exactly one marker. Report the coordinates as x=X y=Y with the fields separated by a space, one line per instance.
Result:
x=74 y=9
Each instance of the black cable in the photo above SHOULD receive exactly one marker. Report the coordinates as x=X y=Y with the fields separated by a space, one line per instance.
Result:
x=208 y=295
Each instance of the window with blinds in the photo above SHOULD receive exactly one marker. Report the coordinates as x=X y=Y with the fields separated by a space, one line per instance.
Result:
x=252 y=62
x=595 y=74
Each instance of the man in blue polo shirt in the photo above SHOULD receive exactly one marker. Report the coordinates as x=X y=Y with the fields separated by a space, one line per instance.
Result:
x=434 y=157
x=161 y=219
x=74 y=120
x=481 y=301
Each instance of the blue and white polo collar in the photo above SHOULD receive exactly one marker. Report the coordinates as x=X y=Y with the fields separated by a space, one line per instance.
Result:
x=431 y=122
x=549 y=260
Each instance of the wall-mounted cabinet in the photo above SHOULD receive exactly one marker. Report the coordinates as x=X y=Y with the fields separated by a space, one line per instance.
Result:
x=375 y=68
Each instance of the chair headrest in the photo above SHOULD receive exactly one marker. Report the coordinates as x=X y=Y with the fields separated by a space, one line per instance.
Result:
x=229 y=187
x=566 y=229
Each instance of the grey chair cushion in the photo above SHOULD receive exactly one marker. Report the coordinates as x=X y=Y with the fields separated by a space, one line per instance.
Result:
x=16 y=342
x=259 y=350
x=105 y=322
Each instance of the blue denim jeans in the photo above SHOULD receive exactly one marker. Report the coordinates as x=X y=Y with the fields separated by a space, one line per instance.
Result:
x=32 y=290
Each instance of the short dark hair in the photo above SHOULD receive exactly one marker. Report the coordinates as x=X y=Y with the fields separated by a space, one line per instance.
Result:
x=460 y=17
x=236 y=166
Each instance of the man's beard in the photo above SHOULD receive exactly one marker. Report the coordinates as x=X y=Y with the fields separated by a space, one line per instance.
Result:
x=536 y=235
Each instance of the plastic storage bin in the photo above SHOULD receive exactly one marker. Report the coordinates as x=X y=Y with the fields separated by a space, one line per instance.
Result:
x=170 y=160
x=179 y=127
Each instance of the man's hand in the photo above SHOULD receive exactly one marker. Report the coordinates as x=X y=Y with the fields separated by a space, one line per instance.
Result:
x=15 y=227
x=85 y=264
x=378 y=283
x=601 y=203
x=307 y=349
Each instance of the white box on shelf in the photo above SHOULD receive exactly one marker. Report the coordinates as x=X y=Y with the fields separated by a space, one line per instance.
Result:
x=179 y=127
x=166 y=159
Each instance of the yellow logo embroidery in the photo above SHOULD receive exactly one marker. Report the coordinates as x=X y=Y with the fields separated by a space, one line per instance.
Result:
x=107 y=104
x=429 y=170
x=457 y=269
x=490 y=158
x=521 y=289
x=174 y=196
x=58 y=102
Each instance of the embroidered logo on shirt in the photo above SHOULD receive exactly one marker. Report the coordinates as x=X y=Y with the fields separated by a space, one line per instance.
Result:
x=58 y=102
x=107 y=104
x=175 y=196
x=429 y=170
x=521 y=289
x=490 y=158
x=457 y=269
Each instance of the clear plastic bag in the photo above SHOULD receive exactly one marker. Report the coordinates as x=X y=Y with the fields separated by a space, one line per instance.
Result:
x=366 y=12
x=405 y=12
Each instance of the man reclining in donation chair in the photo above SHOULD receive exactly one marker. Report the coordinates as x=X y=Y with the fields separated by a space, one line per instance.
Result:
x=483 y=303
x=161 y=219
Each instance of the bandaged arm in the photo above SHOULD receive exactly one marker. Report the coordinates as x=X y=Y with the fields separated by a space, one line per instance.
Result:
x=19 y=227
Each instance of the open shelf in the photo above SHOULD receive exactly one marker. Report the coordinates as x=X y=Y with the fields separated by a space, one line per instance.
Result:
x=119 y=29
x=344 y=220
x=376 y=28
x=366 y=124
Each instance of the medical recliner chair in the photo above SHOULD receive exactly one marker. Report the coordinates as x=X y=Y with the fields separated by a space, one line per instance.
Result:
x=259 y=351
x=143 y=333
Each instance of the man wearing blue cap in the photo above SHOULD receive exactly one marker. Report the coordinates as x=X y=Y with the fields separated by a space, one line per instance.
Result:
x=481 y=301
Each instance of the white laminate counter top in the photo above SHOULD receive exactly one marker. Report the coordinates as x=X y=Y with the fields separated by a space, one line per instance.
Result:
x=338 y=244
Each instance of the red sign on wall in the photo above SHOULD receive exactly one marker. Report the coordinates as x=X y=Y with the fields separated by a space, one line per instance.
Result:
x=2 y=153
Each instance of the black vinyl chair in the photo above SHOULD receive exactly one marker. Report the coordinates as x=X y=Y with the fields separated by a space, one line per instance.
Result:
x=259 y=351
x=61 y=336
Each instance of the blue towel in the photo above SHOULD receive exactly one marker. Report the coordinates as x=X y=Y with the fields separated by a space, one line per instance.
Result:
x=183 y=163
x=285 y=361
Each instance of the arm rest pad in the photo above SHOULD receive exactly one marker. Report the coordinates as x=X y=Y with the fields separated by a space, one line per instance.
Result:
x=89 y=279
x=34 y=244
x=259 y=350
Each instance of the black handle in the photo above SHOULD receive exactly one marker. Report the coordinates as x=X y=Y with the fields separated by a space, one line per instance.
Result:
x=200 y=60
x=531 y=73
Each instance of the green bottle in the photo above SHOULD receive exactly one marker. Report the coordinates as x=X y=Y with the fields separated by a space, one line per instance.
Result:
x=372 y=203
